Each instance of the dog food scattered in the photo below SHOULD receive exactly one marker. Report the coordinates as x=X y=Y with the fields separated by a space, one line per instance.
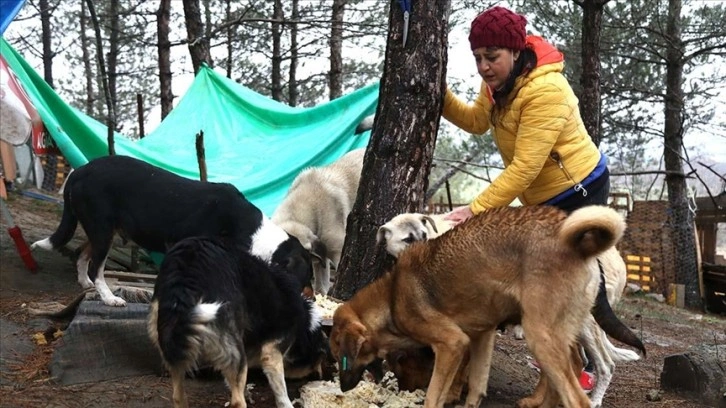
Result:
x=327 y=305
x=327 y=394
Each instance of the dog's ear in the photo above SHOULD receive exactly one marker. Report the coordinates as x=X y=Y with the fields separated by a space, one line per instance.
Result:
x=318 y=248
x=352 y=341
x=348 y=334
x=425 y=218
x=394 y=356
x=384 y=234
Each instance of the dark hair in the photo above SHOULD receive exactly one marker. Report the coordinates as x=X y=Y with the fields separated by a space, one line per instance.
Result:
x=525 y=63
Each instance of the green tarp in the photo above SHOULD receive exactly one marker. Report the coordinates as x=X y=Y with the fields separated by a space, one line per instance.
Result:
x=251 y=141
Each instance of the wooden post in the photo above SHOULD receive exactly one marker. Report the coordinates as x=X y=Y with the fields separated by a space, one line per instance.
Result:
x=140 y=110
x=111 y=143
x=200 y=156
x=448 y=195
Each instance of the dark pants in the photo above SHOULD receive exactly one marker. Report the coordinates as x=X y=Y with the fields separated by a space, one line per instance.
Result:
x=597 y=194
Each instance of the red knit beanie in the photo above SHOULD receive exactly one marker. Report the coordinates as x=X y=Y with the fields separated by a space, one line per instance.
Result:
x=498 y=27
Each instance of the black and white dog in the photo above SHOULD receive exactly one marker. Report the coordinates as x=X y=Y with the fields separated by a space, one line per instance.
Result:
x=155 y=209
x=223 y=307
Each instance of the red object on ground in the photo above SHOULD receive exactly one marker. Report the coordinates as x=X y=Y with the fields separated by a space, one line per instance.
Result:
x=23 y=248
x=17 y=236
x=587 y=381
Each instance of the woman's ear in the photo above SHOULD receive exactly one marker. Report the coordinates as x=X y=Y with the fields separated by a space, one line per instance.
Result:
x=516 y=55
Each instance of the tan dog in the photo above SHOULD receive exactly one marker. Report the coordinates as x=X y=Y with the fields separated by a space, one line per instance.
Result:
x=594 y=339
x=452 y=292
x=413 y=368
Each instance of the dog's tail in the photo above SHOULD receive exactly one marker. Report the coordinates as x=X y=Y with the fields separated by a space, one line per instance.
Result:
x=620 y=355
x=591 y=230
x=609 y=322
x=365 y=124
x=67 y=228
x=177 y=323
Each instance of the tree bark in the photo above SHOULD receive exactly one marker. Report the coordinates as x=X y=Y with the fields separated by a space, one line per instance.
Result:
x=86 y=58
x=229 y=32
x=292 y=85
x=398 y=157
x=682 y=220
x=113 y=51
x=110 y=113
x=46 y=35
x=276 y=75
x=164 y=50
x=335 y=77
x=590 y=80
x=198 y=43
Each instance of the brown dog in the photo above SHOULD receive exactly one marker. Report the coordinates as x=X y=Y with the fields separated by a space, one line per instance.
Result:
x=413 y=368
x=452 y=292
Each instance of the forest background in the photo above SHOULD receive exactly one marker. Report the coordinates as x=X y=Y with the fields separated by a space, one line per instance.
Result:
x=305 y=52
x=650 y=76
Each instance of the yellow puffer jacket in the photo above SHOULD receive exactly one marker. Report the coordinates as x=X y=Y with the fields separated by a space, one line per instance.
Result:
x=540 y=135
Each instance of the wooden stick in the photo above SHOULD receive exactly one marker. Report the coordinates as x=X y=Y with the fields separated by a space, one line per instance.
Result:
x=140 y=110
x=200 y=156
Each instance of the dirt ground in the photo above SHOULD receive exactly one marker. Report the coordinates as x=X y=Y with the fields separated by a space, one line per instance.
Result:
x=25 y=381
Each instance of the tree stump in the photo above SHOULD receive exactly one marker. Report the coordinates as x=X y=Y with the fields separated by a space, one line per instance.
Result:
x=699 y=373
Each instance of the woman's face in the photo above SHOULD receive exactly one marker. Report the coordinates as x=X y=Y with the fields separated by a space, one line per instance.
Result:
x=494 y=64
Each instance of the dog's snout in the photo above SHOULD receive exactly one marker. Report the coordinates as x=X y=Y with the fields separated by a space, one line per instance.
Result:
x=347 y=382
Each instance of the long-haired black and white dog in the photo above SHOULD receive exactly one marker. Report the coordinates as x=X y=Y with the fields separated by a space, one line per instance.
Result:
x=222 y=307
x=155 y=209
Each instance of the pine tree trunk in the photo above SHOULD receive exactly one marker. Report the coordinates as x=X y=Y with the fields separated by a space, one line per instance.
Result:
x=276 y=74
x=45 y=14
x=86 y=58
x=336 y=50
x=110 y=113
x=398 y=158
x=164 y=50
x=590 y=79
x=682 y=219
x=198 y=43
x=113 y=51
x=292 y=85
x=230 y=37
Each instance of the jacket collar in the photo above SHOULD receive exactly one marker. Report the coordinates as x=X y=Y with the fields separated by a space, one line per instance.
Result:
x=549 y=59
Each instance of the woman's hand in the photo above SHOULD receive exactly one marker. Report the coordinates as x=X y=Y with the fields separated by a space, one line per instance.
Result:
x=459 y=214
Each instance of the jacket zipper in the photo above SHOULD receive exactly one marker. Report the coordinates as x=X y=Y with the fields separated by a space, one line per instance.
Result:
x=577 y=186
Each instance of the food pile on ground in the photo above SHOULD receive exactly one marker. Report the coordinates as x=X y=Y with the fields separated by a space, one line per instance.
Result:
x=368 y=394
x=327 y=306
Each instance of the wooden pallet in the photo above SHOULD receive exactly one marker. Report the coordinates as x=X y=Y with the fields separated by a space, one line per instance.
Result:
x=122 y=257
x=132 y=279
x=639 y=271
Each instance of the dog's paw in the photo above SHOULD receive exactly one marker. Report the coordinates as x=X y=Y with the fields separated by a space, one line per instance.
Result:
x=114 y=301
x=43 y=243
x=85 y=283
x=518 y=332
x=529 y=402
x=596 y=403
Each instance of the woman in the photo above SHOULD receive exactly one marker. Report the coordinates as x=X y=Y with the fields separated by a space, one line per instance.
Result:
x=533 y=113
x=535 y=120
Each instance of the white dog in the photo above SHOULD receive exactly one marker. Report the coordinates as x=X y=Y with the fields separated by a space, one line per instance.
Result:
x=316 y=208
x=402 y=230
